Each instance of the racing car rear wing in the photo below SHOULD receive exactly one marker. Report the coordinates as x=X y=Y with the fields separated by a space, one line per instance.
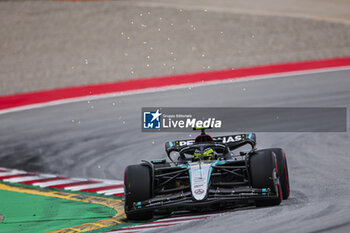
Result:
x=232 y=141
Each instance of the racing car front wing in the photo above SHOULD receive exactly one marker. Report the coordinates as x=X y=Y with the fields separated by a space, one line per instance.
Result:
x=217 y=199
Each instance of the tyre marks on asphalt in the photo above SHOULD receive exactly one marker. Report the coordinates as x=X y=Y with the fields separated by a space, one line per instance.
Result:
x=99 y=186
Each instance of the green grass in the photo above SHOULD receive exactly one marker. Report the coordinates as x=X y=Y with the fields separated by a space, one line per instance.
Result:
x=26 y=213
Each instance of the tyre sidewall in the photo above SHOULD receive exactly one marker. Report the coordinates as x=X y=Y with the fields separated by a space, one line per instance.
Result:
x=137 y=187
x=262 y=165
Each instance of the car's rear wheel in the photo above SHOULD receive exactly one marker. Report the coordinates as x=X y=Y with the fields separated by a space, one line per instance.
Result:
x=137 y=187
x=282 y=170
x=263 y=168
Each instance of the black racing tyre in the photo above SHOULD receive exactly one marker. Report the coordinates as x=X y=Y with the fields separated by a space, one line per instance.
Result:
x=262 y=165
x=282 y=170
x=137 y=187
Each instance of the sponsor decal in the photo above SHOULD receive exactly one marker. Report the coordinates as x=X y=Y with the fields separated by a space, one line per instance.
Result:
x=186 y=143
x=224 y=139
x=231 y=139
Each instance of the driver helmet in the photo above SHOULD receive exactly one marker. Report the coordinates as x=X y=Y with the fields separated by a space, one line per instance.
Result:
x=207 y=154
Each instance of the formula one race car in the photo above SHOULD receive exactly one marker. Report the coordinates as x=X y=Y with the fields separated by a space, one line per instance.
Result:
x=204 y=174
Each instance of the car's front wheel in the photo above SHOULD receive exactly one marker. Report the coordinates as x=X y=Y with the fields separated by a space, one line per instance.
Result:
x=137 y=187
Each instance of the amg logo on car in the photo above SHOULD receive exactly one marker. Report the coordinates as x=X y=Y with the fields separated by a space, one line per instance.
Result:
x=198 y=191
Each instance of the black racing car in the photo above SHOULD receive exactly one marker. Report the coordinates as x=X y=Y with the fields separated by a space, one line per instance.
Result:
x=204 y=174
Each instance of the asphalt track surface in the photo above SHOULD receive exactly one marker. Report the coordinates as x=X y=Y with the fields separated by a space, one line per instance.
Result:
x=336 y=11
x=99 y=138
x=52 y=44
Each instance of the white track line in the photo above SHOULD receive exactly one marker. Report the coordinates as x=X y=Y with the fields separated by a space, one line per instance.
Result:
x=14 y=172
x=173 y=87
x=111 y=182
x=111 y=191
x=146 y=227
x=166 y=223
x=62 y=180
x=171 y=221
x=26 y=178
x=143 y=227
x=124 y=231
x=87 y=186
x=186 y=217
x=57 y=182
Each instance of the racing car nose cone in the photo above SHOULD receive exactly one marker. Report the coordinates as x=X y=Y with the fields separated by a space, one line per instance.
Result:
x=199 y=177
